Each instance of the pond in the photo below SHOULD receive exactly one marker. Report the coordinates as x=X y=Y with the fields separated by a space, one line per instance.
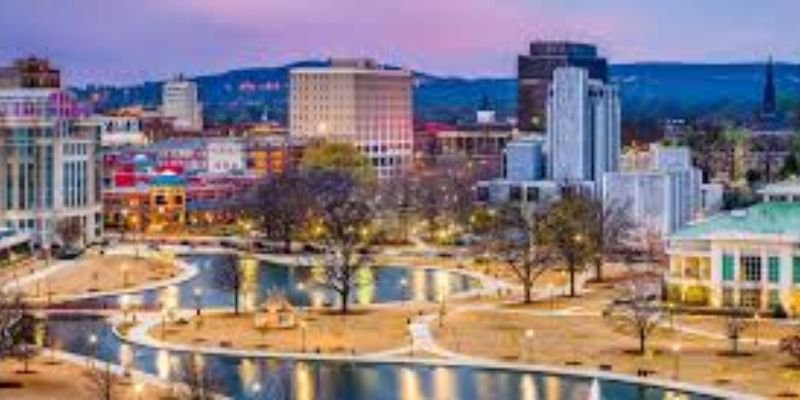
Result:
x=269 y=378
x=299 y=284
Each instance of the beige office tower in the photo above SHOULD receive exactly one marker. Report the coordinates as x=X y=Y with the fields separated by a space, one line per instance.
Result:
x=358 y=102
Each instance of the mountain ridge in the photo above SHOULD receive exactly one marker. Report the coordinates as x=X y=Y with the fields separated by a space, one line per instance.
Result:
x=649 y=90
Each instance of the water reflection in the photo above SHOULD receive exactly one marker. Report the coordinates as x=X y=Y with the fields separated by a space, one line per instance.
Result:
x=247 y=378
x=409 y=384
x=304 y=382
x=300 y=284
x=163 y=364
x=444 y=386
x=527 y=388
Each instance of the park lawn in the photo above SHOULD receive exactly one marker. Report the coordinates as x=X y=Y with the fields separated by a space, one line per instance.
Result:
x=590 y=341
x=361 y=331
x=55 y=379
x=96 y=273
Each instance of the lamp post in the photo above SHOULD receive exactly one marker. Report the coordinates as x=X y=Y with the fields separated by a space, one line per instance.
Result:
x=676 y=354
x=303 y=335
x=198 y=300
x=163 y=312
x=671 y=307
x=301 y=287
x=529 y=335
x=124 y=226
x=757 y=320
x=138 y=389
x=93 y=345
x=124 y=268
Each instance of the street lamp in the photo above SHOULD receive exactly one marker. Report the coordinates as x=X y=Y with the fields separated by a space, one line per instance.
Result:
x=529 y=335
x=303 y=335
x=93 y=345
x=124 y=268
x=198 y=300
x=757 y=320
x=676 y=353
x=138 y=389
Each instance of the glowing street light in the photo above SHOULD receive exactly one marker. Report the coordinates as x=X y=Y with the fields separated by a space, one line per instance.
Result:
x=676 y=353
x=138 y=389
x=529 y=335
x=198 y=300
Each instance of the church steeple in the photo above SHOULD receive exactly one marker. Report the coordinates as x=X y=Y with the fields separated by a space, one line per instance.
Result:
x=768 y=103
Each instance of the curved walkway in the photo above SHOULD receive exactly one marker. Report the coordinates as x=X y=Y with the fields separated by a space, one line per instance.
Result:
x=188 y=272
x=138 y=336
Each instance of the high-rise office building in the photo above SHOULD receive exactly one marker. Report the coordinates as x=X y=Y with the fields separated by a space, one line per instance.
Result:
x=535 y=73
x=49 y=166
x=583 y=127
x=180 y=101
x=358 y=102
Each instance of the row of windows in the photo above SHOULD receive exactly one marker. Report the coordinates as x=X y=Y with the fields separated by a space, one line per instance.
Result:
x=750 y=298
x=751 y=268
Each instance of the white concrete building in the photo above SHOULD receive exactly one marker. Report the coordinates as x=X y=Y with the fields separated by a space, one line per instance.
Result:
x=786 y=191
x=583 y=127
x=118 y=131
x=49 y=165
x=744 y=258
x=225 y=155
x=356 y=101
x=662 y=194
x=524 y=159
x=180 y=101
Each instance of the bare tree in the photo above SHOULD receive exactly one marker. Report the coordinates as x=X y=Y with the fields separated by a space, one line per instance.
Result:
x=736 y=322
x=344 y=214
x=281 y=204
x=610 y=233
x=16 y=326
x=513 y=241
x=636 y=310
x=566 y=228
x=195 y=381
x=228 y=278
x=103 y=384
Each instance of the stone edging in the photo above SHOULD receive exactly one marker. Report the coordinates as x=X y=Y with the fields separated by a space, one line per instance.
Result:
x=188 y=272
x=139 y=336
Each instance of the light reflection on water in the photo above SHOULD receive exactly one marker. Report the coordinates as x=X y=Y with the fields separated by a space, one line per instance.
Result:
x=246 y=378
x=299 y=284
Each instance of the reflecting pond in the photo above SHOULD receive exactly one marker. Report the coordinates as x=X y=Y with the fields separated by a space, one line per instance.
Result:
x=263 y=378
x=299 y=284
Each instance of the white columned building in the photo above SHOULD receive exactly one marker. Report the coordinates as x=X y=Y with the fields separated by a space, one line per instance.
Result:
x=357 y=102
x=49 y=165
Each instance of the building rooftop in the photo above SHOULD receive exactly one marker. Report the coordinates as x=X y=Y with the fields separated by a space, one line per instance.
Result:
x=761 y=220
x=787 y=187
x=168 y=179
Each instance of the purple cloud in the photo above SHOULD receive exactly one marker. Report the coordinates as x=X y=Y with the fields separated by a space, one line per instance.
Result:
x=124 y=41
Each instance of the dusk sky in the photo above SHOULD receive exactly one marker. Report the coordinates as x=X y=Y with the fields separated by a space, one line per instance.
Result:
x=122 y=41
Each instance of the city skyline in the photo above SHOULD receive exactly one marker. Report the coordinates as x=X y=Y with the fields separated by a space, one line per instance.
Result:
x=136 y=41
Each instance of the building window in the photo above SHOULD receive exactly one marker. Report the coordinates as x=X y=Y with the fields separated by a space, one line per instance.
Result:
x=796 y=270
x=751 y=268
x=727 y=267
x=751 y=298
x=774 y=269
x=727 y=297
x=774 y=299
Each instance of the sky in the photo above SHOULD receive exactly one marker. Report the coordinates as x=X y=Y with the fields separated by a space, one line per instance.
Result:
x=128 y=41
